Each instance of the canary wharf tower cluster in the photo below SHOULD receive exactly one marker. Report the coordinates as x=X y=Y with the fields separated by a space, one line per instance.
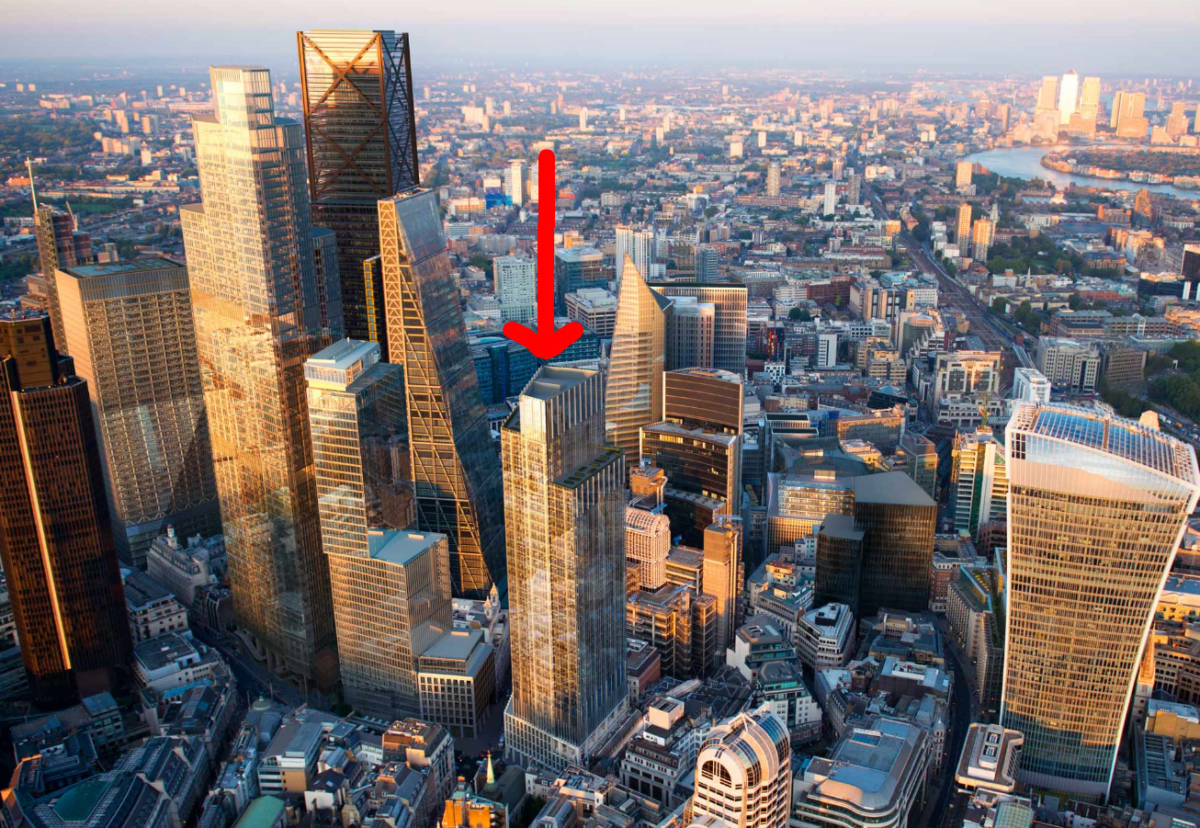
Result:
x=815 y=524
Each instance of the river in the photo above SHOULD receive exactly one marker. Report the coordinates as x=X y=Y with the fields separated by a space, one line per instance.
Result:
x=1026 y=162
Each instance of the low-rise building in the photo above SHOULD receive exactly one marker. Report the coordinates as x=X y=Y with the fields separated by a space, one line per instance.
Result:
x=874 y=776
x=457 y=681
x=152 y=610
x=825 y=636
x=989 y=759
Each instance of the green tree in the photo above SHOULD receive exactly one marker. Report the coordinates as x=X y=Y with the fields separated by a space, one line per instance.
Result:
x=798 y=314
x=999 y=305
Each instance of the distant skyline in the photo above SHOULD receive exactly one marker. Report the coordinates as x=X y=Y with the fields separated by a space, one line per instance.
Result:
x=1105 y=37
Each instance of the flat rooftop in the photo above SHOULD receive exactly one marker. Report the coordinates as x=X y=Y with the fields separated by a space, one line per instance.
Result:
x=890 y=487
x=401 y=548
x=552 y=380
x=141 y=265
x=344 y=353
x=456 y=646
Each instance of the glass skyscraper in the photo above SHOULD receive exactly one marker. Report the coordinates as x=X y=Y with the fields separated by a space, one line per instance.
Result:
x=729 y=329
x=132 y=336
x=59 y=246
x=564 y=505
x=361 y=139
x=256 y=300
x=455 y=470
x=56 y=539
x=634 y=395
x=1096 y=508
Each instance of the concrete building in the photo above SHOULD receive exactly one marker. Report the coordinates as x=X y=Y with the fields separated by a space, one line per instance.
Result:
x=825 y=637
x=1068 y=364
x=596 y=308
x=989 y=759
x=516 y=288
x=743 y=773
x=648 y=541
x=978 y=480
x=874 y=776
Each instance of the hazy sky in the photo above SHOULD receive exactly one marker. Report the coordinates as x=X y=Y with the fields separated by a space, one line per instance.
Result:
x=874 y=36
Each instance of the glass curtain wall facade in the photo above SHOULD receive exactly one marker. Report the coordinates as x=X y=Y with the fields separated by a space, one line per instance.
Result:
x=729 y=334
x=132 y=336
x=633 y=393
x=361 y=139
x=565 y=511
x=56 y=540
x=1096 y=508
x=59 y=246
x=256 y=303
x=455 y=470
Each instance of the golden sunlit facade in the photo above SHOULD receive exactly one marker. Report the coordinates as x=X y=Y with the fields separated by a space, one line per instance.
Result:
x=256 y=301
x=455 y=470
x=633 y=394
x=1096 y=508
x=565 y=511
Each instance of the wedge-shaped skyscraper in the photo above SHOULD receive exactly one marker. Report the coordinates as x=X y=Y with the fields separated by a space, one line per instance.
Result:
x=565 y=512
x=1096 y=508
x=634 y=396
x=256 y=296
x=455 y=470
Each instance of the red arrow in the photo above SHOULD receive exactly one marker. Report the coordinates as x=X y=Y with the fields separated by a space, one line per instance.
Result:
x=545 y=343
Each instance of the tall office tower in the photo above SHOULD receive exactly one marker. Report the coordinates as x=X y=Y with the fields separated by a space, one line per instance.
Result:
x=978 y=480
x=515 y=182
x=707 y=261
x=981 y=238
x=257 y=312
x=744 y=772
x=638 y=245
x=576 y=268
x=633 y=396
x=829 y=202
x=773 y=179
x=329 y=282
x=1048 y=93
x=882 y=559
x=1096 y=508
x=729 y=335
x=132 y=336
x=854 y=189
x=583 y=116
x=964 y=173
x=921 y=461
x=1117 y=104
x=648 y=542
x=698 y=447
x=1089 y=99
x=1068 y=96
x=359 y=432
x=1131 y=121
x=963 y=236
x=691 y=328
x=59 y=246
x=393 y=603
x=361 y=138
x=722 y=574
x=516 y=288
x=565 y=515
x=56 y=540
x=455 y=471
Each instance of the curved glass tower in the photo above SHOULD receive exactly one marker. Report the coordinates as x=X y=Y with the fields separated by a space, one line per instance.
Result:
x=1096 y=508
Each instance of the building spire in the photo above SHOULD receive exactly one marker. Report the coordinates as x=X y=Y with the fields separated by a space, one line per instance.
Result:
x=32 y=191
